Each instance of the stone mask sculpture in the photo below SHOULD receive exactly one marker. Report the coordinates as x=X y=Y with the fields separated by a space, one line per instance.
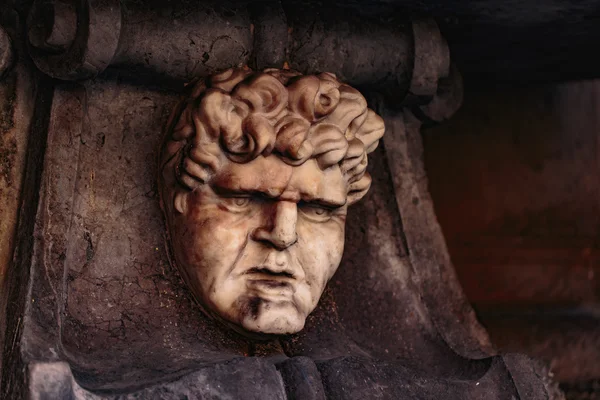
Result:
x=257 y=171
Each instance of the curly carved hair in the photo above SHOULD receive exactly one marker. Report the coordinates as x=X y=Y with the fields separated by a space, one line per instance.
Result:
x=245 y=114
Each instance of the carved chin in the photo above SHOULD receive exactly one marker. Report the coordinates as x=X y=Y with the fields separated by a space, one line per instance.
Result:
x=274 y=323
x=266 y=318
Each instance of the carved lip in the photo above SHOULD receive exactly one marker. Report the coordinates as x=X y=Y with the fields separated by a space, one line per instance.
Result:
x=271 y=290
x=269 y=280
x=267 y=274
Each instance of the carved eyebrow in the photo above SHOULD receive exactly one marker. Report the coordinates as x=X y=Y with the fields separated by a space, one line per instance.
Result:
x=241 y=192
x=306 y=199
x=321 y=201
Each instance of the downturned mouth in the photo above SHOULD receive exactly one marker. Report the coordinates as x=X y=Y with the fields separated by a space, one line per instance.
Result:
x=267 y=274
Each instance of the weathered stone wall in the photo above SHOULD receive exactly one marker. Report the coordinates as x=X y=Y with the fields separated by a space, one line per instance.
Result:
x=17 y=91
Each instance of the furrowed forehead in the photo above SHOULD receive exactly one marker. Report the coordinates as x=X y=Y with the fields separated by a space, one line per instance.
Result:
x=273 y=178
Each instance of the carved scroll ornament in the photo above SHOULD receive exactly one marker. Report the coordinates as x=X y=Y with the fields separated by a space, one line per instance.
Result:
x=257 y=172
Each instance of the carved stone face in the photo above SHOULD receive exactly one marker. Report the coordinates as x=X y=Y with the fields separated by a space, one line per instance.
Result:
x=257 y=175
x=260 y=243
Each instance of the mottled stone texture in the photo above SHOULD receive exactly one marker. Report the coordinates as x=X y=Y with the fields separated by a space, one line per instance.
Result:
x=99 y=313
x=17 y=96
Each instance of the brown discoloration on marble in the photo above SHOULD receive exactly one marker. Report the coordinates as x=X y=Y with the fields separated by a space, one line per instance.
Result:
x=257 y=172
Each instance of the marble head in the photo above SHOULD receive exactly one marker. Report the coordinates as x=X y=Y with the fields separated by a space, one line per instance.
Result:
x=256 y=174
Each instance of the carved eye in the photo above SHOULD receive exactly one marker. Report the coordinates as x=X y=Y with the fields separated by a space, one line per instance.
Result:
x=315 y=212
x=241 y=201
x=236 y=204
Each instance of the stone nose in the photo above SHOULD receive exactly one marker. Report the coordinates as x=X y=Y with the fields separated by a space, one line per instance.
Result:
x=279 y=227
